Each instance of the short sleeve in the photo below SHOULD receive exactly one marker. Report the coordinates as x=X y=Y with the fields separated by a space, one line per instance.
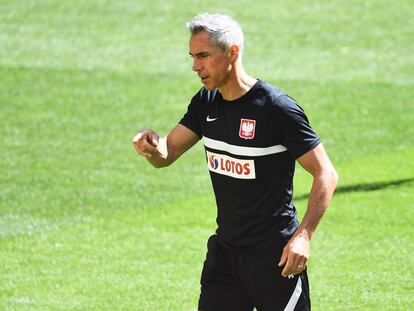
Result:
x=293 y=128
x=192 y=116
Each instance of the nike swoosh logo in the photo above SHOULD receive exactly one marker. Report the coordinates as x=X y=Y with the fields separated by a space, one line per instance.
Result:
x=211 y=119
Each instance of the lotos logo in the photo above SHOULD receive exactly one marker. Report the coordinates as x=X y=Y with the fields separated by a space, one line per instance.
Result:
x=213 y=162
x=229 y=166
x=247 y=128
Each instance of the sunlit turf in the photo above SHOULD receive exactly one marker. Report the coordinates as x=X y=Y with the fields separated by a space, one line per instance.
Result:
x=86 y=224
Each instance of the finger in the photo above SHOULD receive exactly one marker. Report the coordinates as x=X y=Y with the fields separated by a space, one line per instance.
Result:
x=138 y=136
x=153 y=138
x=288 y=267
x=295 y=263
x=145 y=135
x=154 y=142
x=143 y=153
x=144 y=139
x=148 y=136
x=298 y=262
x=146 y=143
x=283 y=258
x=144 y=148
x=301 y=266
x=152 y=150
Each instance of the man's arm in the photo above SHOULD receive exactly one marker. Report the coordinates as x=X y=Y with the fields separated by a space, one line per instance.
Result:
x=296 y=253
x=161 y=152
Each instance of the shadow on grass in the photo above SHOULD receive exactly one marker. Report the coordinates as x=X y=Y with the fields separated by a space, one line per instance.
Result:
x=365 y=187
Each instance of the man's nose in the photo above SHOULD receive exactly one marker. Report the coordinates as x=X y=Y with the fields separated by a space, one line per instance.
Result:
x=197 y=65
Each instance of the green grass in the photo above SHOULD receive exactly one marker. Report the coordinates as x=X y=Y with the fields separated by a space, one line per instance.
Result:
x=85 y=224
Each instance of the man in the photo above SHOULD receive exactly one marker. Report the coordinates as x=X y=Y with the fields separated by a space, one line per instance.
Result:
x=253 y=133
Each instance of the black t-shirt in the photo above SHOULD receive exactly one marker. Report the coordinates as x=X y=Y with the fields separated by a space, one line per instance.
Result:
x=251 y=145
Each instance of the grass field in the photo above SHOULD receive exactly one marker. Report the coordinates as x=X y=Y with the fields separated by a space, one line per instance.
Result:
x=85 y=224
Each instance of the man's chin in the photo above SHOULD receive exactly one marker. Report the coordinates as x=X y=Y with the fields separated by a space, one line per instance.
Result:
x=209 y=87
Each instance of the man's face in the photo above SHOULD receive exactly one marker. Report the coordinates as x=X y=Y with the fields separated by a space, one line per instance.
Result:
x=210 y=62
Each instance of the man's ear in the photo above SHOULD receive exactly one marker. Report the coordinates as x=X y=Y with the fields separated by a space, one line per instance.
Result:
x=234 y=53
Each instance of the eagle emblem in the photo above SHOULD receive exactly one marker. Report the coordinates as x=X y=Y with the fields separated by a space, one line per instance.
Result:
x=247 y=128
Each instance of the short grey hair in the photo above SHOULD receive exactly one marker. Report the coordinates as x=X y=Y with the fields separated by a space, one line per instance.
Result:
x=224 y=31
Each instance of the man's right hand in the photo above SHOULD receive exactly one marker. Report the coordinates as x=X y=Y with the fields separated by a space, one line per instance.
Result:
x=156 y=149
x=146 y=142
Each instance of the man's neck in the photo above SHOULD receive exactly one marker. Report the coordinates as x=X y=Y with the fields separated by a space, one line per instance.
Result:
x=238 y=84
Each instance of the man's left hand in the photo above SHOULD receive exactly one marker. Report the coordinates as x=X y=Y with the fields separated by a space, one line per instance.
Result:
x=295 y=255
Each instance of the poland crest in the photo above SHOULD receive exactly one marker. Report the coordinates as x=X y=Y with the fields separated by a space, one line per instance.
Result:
x=247 y=128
